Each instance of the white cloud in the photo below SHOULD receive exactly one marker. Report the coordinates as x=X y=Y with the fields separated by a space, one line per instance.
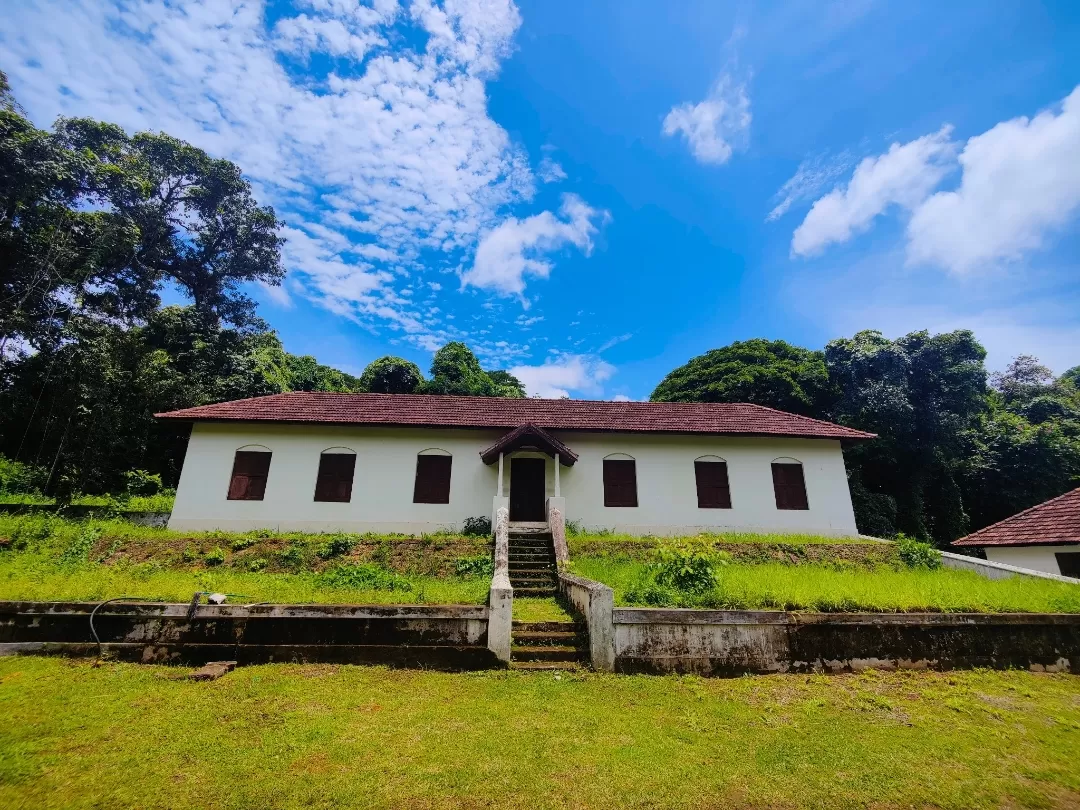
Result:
x=278 y=294
x=615 y=341
x=621 y=398
x=716 y=126
x=904 y=176
x=549 y=171
x=560 y=375
x=810 y=179
x=516 y=248
x=1021 y=182
x=390 y=155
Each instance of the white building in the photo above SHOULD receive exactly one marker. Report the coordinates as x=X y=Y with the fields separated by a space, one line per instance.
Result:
x=1043 y=538
x=415 y=464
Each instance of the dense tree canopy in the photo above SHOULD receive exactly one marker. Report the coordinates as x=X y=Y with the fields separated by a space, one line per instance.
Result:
x=391 y=375
x=765 y=372
x=455 y=370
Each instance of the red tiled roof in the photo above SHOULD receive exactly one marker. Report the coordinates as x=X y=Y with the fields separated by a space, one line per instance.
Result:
x=490 y=412
x=1055 y=522
x=524 y=436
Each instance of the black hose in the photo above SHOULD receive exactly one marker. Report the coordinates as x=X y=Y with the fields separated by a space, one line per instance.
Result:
x=93 y=613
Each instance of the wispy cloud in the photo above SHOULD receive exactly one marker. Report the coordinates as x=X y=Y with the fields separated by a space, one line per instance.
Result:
x=812 y=177
x=549 y=171
x=615 y=341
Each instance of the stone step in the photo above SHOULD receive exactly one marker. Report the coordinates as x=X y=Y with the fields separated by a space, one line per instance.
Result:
x=544 y=652
x=531 y=591
x=575 y=640
x=546 y=666
x=531 y=537
x=547 y=627
x=545 y=570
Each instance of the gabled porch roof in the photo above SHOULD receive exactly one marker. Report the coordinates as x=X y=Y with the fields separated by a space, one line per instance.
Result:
x=529 y=435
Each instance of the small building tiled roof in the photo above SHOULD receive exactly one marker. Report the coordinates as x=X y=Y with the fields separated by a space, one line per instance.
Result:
x=429 y=410
x=529 y=435
x=1053 y=523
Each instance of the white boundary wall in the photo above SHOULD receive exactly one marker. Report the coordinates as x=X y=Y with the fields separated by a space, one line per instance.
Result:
x=386 y=467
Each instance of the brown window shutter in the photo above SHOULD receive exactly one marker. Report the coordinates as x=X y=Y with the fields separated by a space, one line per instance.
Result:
x=789 y=486
x=713 y=491
x=335 y=479
x=249 y=473
x=620 y=482
x=432 y=479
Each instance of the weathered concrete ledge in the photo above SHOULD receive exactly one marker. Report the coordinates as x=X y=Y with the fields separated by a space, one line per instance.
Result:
x=720 y=642
x=448 y=637
x=595 y=602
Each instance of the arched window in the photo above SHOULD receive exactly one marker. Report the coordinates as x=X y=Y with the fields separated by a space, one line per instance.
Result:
x=789 y=484
x=334 y=482
x=711 y=476
x=620 y=480
x=432 y=484
x=250 y=471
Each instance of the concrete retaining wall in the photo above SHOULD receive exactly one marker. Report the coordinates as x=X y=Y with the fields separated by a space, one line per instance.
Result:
x=595 y=603
x=708 y=642
x=156 y=519
x=450 y=637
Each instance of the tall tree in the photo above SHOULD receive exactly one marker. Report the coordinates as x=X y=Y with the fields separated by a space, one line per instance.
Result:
x=391 y=375
x=920 y=394
x=765 y=372
x=455 y=370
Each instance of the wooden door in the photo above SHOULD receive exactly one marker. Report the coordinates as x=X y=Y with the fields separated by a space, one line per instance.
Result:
x=527 y=489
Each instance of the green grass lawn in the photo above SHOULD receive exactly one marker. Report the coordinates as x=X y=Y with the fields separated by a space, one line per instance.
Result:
x=830 y=588
x=315 y=736
x=34 y=577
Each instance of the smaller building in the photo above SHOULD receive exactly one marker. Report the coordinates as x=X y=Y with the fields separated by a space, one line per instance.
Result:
x=1043 y=538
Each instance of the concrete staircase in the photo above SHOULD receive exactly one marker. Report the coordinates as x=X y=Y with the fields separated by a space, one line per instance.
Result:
x=549 y=645
x=532 y=560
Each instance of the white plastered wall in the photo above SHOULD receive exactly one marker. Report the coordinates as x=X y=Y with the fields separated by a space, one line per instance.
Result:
x=386 y=467
x=1037 y=558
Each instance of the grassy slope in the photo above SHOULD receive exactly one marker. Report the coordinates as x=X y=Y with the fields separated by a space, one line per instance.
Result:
x=823 y=587
x=33 y=577
x=285 y=736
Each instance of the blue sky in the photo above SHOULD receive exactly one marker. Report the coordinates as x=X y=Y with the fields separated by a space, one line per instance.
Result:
x=589 y=194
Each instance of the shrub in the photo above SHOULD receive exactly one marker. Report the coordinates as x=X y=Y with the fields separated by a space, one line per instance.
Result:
x=687 y=564
x=363 y=576
x=477 y=526
x=336 y=546
x=140 y=482
x=215 y=556
x=189 y=554
x=17 y=477
x=292 y=557
x=32 y=531
x=240 y=543
x=916 y=554
x=480 y=566
x=78 y=550
x=258 y=564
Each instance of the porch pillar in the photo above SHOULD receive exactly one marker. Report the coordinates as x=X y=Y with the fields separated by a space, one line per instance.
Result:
x=500 y=489
x=558 y=492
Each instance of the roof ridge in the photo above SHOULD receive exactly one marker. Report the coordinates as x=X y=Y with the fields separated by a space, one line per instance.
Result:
x=801 y=416
x=1019 y=514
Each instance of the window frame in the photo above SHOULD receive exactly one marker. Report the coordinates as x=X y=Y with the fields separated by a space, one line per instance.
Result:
x=723 y=491
x=245 y=485
x=334 y=486
x=790 y=496
x=427 y=488
x=627 y=498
